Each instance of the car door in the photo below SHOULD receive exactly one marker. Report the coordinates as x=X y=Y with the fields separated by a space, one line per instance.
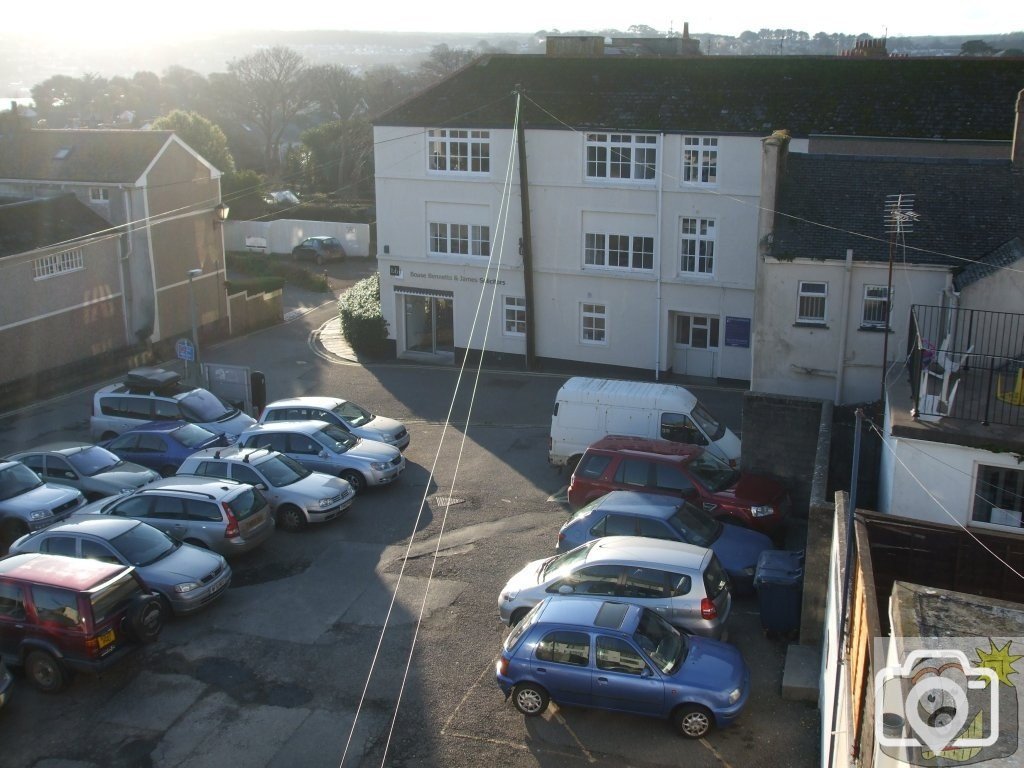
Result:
x=561 y=663
x=602 y=580
x=246 y=474
x=307 y=451
x=624 y=680
x=168 y=514
x=648 y=587
x=12 y=619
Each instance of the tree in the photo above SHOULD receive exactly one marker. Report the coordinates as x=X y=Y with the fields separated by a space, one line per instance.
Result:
x=976 y=48
x=268 y=88
x=336 y=90
x=203 y=136
x=443 y=61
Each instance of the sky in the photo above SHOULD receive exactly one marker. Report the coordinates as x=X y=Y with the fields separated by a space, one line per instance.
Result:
x=113 y=20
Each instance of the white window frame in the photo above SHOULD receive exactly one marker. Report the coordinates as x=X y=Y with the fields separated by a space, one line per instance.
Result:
x=99 y=195
x=61 y=263
x=514 y=316
x=621 y=157
x=808 y=291
x=450 y=239
x=700 y=161
x=698 y=236
x=458 y=151
x=1008 y=496
x=625 y=253
x=710 y=324
x=878 y=304
x=593 y=323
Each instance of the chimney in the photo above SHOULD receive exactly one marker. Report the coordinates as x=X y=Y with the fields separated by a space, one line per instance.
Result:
x=1017 y=150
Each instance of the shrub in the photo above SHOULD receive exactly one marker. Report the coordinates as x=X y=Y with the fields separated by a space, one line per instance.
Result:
x=261 y=265
x=361 y=320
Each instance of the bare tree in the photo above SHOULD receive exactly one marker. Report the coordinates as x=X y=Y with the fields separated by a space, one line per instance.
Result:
x=443 y=61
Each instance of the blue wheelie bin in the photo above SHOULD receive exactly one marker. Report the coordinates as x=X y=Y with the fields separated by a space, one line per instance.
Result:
x=778 y=581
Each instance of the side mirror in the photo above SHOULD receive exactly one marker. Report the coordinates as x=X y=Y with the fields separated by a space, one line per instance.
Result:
x=323 y=454
x=647 y=672
x=260 y=486
x=565 y=589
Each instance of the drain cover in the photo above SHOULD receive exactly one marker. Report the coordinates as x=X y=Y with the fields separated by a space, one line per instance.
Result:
x=447 y=501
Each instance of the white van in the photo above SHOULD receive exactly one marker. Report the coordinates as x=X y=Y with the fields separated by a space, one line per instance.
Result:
x=588 y=409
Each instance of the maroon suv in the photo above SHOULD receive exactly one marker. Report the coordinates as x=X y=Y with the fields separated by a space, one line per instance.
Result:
x=674 y=469
x=60 y=615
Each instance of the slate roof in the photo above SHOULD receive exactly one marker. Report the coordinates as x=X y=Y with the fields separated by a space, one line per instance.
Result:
x=1005 y=255
x=828 y=203
x=29 y=224
x=97 y=156
x=953 y=98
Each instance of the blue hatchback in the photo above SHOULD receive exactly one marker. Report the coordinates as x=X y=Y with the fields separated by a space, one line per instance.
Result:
x=591 y=652
x=164 y=445
x=630 y=513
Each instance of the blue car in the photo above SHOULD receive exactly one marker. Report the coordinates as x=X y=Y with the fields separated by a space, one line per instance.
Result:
x=591 y=652
x=164 y=445
x=631 y=513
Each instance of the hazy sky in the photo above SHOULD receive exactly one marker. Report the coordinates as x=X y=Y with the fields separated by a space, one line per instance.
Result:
x=114 y=20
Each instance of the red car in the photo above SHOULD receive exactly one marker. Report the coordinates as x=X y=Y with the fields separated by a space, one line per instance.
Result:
x=659 y=466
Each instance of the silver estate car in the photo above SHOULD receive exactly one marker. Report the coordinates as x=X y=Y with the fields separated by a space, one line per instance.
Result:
x=325 y=447
x=684 y=584
x=297 y=495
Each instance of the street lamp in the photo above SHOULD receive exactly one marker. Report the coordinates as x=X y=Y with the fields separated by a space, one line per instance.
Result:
x=193 y=273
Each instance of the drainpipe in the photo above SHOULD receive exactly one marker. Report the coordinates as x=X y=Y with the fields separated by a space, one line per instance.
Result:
x=843 y=322
x=527 y=249
x=657 y=265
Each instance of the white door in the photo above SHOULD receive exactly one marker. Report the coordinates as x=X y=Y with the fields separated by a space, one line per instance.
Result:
x=695 y=352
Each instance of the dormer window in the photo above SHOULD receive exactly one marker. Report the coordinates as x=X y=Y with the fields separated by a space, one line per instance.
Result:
x=99 y=195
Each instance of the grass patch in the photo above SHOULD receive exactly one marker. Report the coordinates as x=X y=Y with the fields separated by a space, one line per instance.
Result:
x=273 y=268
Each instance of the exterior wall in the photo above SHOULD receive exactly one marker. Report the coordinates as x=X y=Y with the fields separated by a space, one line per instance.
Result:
x=65 y=318
x=998 y=292
x=806 y=360
x=281 y=235
x=640 y=305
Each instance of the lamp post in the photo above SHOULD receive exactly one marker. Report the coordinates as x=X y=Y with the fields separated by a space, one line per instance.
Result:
x=193 y=273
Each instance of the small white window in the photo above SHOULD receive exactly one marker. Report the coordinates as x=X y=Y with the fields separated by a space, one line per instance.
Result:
x=999 y=496
x=99 y=195
x=58 y=263
x=515 y=316
x=700 y=160
x=811 y=303
x=876 y=306
x=593 y=328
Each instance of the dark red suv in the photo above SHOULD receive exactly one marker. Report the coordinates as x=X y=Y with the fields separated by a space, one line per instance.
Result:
x=659 y=466
x=61 y=615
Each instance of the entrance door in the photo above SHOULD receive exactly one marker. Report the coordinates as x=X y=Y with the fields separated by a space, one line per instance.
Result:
x=695 y=350
x=429 y=325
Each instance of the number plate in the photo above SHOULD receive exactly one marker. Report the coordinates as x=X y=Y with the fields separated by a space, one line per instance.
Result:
x=106 y=638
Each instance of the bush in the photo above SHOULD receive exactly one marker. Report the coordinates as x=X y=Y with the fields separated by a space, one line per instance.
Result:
x=361 y=320
x=260 y=265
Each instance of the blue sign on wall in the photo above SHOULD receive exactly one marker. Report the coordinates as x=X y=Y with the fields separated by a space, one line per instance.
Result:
x=737 y=331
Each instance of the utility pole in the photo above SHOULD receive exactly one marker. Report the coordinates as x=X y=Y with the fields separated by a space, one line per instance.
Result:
x=899 y=219
x=526 y=241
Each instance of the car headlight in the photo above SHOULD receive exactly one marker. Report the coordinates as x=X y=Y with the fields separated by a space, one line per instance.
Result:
x=734 y=695
x=380 y=466
x=763 y=510
x=185 y=586
x=39 y=514
x=509 y=595
x=326 y=502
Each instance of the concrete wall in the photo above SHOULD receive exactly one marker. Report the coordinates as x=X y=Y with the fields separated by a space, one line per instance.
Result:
x=281 y=235
x=250 y=313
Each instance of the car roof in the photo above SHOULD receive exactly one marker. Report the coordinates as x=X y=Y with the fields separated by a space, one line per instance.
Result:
x=589 y=612
x=653 y=505
x=310 y=401
x=160 y=426
x=642 y=549
x=646 y=445
x=310 y=425
x=65 y=447
x=59 y=571
x=214 y=486
x=251 y=456
x=101 y=526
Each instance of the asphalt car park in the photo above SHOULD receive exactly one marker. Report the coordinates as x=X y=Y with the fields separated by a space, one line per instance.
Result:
x=305 y=659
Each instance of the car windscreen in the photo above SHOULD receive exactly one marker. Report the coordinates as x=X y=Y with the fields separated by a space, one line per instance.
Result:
x=16 y=480
x=336 y=438
x=202 y=405
x=711 y=426
x=695 y=525
x=246 y=504
x=143 y=544
x=664 y=644
x=570 y=559
x=113 y=597
x=714 y=473
x=191 y=435
x=354 y=414
x=93 y=460
x=283 y=470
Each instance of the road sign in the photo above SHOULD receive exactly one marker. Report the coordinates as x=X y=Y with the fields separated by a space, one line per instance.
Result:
x=185 y=350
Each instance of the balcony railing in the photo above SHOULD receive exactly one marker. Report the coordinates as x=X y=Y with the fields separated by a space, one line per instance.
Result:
x=967 y=364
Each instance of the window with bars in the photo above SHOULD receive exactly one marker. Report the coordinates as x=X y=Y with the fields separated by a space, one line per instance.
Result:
x=459 y=239
x=593 y=324
x=58 y=263
x=876 y=306
x=515 y=316
x=999 y=496
x=621 y=156
x=618 y=251
x=458 y=151
x=700 y=160
x=697 y=246
x=811 y=303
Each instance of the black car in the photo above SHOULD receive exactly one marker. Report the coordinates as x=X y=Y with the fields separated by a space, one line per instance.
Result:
x=320 y=249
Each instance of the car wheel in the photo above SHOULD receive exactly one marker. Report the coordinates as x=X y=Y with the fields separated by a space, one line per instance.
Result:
x=355 y=479
x=11 y=531
x=692 y=721
x=530 y=699
x=290 y=518
x=517 y=616
x=45 y=672
x=167 y=471
x=146 y=618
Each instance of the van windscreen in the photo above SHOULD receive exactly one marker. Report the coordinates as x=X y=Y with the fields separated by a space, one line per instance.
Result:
x=712 y=428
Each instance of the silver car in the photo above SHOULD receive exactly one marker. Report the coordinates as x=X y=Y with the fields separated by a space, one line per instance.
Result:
x=348 y=415
x=684 y=584
x=28 y=504
x=185 y=577
x=93 y=470
x=297 y=495
x=325 y=447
